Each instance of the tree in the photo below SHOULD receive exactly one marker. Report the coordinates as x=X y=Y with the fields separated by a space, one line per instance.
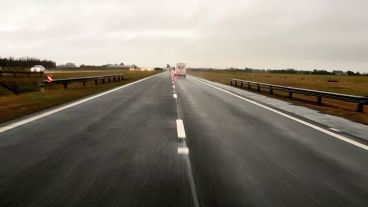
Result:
x=26 y=62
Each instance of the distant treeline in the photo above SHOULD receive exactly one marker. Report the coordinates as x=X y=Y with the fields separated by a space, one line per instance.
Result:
x=313 y=72
x=25 y=62
x=108 y=66
x=289 y=71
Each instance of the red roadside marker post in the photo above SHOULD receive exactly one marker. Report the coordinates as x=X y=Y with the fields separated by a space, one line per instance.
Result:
x=49 y=78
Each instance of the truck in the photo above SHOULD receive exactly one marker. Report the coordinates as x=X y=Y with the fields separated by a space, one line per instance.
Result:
x=180 y=70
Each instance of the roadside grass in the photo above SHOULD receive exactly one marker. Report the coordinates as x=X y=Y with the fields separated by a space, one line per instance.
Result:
x=14 y=106
x=20 y=84
x=354 y=85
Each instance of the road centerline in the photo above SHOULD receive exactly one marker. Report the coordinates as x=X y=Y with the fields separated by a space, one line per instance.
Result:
x=183 y=149
x=180 y=129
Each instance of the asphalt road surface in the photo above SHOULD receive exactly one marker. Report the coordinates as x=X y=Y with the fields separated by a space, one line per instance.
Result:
x=152 y=144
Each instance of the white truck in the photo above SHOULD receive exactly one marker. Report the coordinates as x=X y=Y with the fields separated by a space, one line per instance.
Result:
x=180 y=70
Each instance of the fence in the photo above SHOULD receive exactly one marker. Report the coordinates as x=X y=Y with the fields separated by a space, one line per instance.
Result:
x=83 y=80
x=360 y=100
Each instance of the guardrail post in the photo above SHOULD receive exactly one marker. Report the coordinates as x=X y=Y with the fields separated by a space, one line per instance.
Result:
x=103 y=80
x=258 y=88
x=290 y=95
x=249 y=86
x=319 y=100
x=42 y=87
x=271 y=90
x=14 y=74
x=96 y=82
x=241 y=84
x=65 y=85
x=231 y=82
x=360 y=107
x=84 y=83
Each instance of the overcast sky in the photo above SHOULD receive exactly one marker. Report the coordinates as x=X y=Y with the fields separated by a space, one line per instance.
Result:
x=301 y=34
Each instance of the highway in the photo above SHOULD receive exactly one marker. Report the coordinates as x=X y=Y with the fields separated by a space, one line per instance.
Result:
x=128 y=148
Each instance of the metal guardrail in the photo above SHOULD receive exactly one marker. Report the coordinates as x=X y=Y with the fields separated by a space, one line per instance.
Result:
x=16 y=73
x=84 y=80
x=360 y=100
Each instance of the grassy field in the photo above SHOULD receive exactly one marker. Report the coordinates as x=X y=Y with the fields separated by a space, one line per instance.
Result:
x=13 y=106
x=354 y=85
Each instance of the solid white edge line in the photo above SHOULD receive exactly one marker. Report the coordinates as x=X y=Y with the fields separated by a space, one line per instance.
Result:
x=47 y=113
x=180 y=129
x=345 y=139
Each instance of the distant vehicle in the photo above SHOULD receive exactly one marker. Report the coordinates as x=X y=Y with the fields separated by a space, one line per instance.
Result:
x=180 y=70
x=38 y=68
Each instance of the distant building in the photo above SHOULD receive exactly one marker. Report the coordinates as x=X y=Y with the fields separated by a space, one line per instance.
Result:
x=70 y=65
x=67 y=65
x=120 y=66
x=338 y=72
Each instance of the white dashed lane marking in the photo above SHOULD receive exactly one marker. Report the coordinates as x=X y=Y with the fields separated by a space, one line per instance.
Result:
x=180 y=129
x=183 y=150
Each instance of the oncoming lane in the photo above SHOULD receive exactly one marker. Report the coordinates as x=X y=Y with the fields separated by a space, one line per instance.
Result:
x=119 y=149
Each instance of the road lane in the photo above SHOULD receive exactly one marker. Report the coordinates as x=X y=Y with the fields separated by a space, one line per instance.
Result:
x=116 y=150
x=244 y=155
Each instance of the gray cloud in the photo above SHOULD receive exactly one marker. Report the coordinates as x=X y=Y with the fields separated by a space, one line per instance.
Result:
x=328 y=34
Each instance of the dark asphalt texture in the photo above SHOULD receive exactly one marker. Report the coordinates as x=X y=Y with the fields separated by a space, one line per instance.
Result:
x=120 y=149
